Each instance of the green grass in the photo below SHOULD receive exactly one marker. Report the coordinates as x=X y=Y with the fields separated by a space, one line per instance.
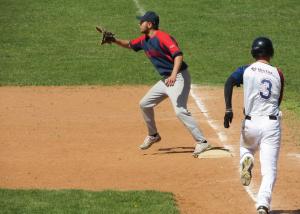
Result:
x=78 y=201
x=55 y=42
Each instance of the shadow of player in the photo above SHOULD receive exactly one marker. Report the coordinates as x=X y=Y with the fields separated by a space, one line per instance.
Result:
x=285 y=211
x=183 y=149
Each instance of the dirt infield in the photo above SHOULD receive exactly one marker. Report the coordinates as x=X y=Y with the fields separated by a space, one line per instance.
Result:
x=88 y=137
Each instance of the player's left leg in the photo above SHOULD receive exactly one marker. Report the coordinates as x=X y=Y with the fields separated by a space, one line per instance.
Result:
x=250 y=136
x=178 y=95
x=269 y=152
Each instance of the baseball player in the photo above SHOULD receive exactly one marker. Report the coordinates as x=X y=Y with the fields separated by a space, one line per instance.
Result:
x=164 y=53
x=261 y=129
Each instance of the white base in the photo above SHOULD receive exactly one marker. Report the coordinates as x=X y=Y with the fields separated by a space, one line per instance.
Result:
x=216 y=152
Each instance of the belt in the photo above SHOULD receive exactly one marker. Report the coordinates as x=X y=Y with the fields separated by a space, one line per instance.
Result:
x=271 y=117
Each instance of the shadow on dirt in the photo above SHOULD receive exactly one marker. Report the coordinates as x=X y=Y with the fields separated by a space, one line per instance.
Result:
x=285 y=211
x=183 y=149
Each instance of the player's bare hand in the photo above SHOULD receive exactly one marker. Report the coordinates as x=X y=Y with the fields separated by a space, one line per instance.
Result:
x=170 y=81
x=228 y=118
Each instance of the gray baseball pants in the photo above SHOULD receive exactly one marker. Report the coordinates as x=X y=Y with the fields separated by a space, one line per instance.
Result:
x=178 y=94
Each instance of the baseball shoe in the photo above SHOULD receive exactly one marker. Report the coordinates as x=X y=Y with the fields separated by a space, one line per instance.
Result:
x=201 y=147
x=149 y=140
x=246 y=168
x=262 y=210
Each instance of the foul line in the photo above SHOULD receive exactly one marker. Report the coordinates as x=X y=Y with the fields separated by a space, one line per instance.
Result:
x=140 y=8
x=250 y=192
x=221 y=135
x=295 y=155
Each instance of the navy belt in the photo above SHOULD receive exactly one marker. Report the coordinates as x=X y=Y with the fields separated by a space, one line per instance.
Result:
x=271 y=117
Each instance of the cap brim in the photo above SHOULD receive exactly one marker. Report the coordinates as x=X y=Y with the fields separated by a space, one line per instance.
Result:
x=139 y=17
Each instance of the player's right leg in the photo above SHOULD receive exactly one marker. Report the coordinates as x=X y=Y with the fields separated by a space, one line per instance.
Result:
x=178 y=95
x=152 y=98
x=269 y=152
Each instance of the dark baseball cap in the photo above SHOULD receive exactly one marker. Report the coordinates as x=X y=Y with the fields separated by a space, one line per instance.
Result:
x=149 y=16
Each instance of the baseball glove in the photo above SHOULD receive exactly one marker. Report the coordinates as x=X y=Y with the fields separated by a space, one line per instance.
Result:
x=107 y=37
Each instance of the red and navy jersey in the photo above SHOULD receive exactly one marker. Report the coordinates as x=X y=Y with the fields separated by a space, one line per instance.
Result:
x=161 y=49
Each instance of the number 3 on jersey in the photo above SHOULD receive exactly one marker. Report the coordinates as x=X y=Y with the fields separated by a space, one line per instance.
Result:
x=265 y=89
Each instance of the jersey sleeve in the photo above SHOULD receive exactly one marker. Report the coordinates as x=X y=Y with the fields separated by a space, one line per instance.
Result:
x=170 y=44
x=238 y=75
x=136 y=44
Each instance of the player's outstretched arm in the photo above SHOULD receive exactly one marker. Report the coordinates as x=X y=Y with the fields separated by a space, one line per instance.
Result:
x=122 y=43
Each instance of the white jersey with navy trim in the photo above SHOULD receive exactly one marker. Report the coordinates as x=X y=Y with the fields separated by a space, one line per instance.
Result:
x=262 y=88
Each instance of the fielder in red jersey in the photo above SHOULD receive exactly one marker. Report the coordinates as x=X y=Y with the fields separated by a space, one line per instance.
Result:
x=166 y=56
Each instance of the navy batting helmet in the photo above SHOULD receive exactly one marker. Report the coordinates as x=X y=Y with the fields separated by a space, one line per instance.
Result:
x=262 y=47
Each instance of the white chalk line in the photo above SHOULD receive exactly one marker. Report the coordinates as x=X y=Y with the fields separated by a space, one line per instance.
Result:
x=295 y=155
x=251 y=192
x=139 y=7
x=222 y=135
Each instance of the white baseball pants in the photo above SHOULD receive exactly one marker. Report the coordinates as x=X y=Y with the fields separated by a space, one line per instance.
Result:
x=178 y=94
x=264 y=134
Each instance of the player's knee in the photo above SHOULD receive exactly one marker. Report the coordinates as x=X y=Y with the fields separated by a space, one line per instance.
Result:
x=143 y=104
x=181 y=113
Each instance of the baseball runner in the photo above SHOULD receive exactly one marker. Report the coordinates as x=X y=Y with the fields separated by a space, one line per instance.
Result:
x=261 y=129
x=164 y=53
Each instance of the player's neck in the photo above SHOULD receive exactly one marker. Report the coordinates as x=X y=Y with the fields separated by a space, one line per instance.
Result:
x=263 y=60
x=151 y=33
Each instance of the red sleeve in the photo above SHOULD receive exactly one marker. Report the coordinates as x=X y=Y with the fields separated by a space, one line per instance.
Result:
x=170 y=44
x=136 y=44
x=282 y=85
